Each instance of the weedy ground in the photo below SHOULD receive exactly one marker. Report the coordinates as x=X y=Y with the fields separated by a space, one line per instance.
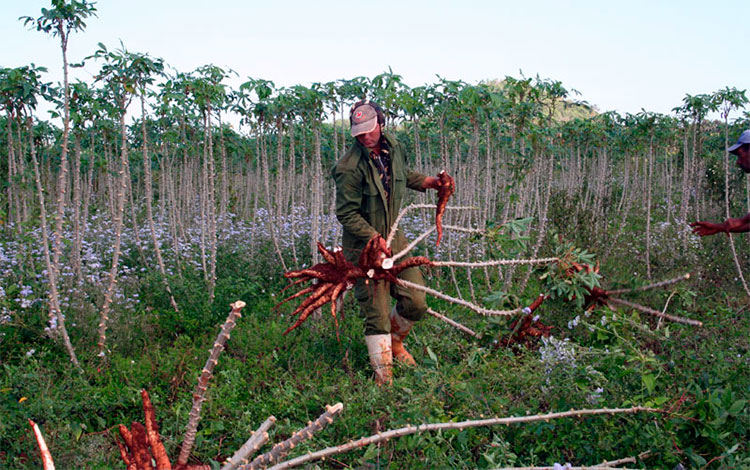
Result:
x=596 y=360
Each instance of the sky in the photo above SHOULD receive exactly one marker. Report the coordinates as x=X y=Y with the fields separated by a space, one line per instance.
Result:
x=623 y=56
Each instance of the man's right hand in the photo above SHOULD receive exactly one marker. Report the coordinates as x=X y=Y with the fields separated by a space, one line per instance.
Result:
x=705 y=229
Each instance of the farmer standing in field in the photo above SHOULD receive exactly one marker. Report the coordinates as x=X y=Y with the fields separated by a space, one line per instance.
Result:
x=742 y=150
x=371 y=179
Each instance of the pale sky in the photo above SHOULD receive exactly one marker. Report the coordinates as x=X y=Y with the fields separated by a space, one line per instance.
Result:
x=621 y=56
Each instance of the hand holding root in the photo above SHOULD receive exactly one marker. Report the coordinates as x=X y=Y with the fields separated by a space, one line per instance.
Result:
x=446 y=186
x=330 y=278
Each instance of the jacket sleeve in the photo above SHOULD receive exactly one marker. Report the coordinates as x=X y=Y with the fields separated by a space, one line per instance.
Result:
x=349 y=202
x=414 y=180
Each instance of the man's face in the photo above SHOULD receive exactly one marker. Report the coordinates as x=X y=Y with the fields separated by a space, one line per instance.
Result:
x=743 y=158
x=370 y=139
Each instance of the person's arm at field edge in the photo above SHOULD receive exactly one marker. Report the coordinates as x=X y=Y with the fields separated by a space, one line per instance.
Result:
x=704 y=229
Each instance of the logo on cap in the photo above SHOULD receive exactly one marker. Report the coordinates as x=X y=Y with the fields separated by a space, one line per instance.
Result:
x=358 y=115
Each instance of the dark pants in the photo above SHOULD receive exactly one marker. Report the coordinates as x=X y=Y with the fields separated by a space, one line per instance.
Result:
x=374 y=300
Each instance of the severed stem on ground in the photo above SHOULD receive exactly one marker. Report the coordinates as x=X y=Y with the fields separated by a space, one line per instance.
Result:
x=656 y=285
x=280 y=450
x=613 y=463
x=251 y=446
x=651 y=311
x=596 y=467
x=454 y=323
x=407 y=430
x=495 y=262
x=481 y=310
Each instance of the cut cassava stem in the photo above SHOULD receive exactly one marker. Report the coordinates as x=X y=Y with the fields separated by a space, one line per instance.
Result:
x=280 y=450
x=498 y=262
x=47 y=462
x=410 y=207
x=614 y=463
x=595 y=467
x=656 y=285
x=251 y=446
x=656 y=313
x=467 y=304
x=454 y=323
x=199 y=394
x=407 y=430
x=388 y=262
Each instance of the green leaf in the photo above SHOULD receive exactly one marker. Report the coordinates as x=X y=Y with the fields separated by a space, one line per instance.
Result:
x=737 y=407
x=371 y=452
x=649 y=380
x=432 y=355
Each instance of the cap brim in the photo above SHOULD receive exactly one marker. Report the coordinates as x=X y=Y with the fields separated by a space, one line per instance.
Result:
x=364 y=127
x=734 y=147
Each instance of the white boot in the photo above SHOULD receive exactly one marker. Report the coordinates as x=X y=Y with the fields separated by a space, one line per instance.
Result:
x=381 y=358
x=400 y=327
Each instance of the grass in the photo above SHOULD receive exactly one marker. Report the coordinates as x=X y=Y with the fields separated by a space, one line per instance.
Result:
x=620 y=359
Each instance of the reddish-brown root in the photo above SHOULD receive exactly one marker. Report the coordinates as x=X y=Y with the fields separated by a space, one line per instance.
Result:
x=139 y=450
x=446 y=190
x=152 y=434
x=303 y=316
x=334 y=297
x=327 y=255
x=292 y=284
x=320 y=291
x=304 y=291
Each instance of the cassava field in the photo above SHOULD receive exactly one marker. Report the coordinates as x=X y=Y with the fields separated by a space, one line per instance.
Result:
x=134 y=218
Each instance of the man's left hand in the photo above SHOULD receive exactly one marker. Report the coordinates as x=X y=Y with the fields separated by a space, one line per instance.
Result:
x=434 y=182
x=705 y=229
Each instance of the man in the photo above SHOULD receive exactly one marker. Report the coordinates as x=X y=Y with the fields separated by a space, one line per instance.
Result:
x=371 y=179
x=742 y=150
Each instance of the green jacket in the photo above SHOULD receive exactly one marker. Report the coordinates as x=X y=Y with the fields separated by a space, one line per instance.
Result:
x=361 y=202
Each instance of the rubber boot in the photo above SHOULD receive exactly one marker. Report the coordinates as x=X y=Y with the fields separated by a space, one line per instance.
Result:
x=400 y=327
x=381 y=358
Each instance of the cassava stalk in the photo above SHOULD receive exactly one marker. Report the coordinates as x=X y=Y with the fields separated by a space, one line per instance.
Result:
x=280 y=450
x=119 y=216
x=656 y=313
x=613 y=463
x=467 y=304
x=596 y=467
x=199 y=394
x=406 y=209
x=55 y=314
x=454 y=323
x=656 y=285
x=149 y=209
x=408 y=430
x=251 y=446
x=497 y=262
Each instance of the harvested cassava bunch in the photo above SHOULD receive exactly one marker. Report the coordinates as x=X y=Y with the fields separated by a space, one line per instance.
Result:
x=330 y=278
x=527 y=327
x=597 y=296
x=445 y=191
x=143 y=448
